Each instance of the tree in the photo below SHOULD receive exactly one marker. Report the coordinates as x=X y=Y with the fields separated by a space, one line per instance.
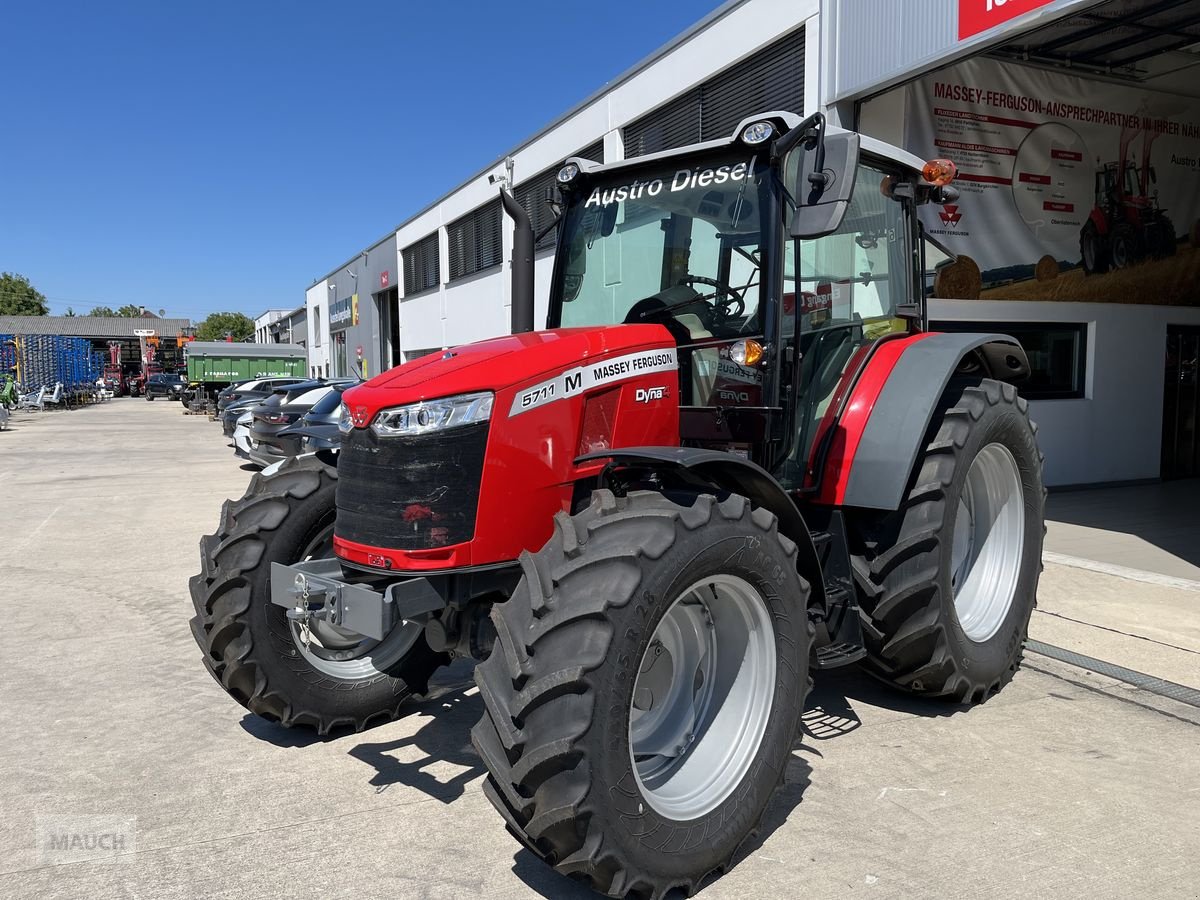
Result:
x=20 y=298
x=128 y=311
x=70 y=313
x=218 y=324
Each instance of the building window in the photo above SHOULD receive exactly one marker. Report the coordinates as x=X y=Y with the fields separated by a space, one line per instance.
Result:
x=316 y=326
x=1057 y=354
x=771 y=79
x=422 y=265
x=410 y=355
x=531 y=194
x=474 y=241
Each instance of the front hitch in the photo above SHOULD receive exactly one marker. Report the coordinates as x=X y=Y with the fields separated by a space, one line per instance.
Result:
x=316 y=590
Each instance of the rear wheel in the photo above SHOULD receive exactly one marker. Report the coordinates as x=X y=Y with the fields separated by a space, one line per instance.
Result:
x=950 y=579
x=328 y=677
x=645 y=689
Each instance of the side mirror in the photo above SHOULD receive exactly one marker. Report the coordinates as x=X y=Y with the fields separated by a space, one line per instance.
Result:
x=822 y=198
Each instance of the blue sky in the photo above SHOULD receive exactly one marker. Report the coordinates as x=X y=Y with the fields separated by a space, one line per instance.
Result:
x=222 y=156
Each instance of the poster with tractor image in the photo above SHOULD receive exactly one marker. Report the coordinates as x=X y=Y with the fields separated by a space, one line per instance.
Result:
x=1070 y=189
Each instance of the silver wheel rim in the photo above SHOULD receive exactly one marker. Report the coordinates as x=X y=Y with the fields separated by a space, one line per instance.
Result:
x=702 y=697
x=989 y=538
x=345 y=654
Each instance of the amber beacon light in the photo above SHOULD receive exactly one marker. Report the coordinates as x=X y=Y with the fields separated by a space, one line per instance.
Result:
x=939 y=172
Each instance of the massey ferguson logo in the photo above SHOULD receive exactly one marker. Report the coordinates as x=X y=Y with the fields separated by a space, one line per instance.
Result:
x=950 y=215
x=358 y=416
x=649 y=395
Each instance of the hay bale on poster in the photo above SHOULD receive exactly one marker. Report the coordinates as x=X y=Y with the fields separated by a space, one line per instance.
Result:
x=960 y=280
x=1046 y=268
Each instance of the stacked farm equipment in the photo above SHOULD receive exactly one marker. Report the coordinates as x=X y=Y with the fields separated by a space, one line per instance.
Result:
x=59 y=370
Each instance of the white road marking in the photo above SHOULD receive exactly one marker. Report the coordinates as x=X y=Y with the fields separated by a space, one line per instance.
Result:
x=33 y=534
x=1061 y=559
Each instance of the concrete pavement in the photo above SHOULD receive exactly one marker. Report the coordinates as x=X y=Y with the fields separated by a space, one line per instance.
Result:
x=1067 y=784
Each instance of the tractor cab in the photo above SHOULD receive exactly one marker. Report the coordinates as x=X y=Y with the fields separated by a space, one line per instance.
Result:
x=768 y=272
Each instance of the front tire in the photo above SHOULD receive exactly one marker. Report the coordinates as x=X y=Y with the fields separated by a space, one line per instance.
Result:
x=1093 y=250
x=949 y=581
x=613 y=753
x=336 y=678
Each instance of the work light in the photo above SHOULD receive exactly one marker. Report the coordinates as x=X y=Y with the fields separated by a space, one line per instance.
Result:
x=757 y=132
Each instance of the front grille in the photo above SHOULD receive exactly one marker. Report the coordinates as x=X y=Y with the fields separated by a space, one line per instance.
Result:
x=410 y=493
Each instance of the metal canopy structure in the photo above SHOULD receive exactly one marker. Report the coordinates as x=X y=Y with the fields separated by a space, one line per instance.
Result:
x=1136 y=40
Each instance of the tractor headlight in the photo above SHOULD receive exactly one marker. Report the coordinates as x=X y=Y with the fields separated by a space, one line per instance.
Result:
x=345 y=423
x=434 y=415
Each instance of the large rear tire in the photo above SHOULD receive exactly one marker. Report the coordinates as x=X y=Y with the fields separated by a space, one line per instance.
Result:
x=335 y=678
x=949 y=580
x=645 y=690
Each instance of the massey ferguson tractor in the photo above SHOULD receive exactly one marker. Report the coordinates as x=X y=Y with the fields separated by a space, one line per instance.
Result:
x=1126 y=225
x=734 y=456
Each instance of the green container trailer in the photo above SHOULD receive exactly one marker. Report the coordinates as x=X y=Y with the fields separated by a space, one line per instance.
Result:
x=213 y=364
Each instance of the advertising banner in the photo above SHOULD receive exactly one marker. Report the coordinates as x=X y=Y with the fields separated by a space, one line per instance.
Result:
x=343 y=313
x=1070 y=189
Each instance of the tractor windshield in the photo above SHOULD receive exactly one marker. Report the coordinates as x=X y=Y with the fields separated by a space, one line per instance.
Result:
x=675 y=242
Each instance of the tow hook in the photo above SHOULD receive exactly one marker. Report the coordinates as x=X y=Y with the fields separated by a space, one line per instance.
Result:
x=306 y=608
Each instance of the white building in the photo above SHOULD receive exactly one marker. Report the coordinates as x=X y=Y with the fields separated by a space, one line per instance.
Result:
x=931 y=77
x=263 y=323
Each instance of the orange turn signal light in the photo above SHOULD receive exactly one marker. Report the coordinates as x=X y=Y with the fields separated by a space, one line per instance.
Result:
x=746 y=352
x=939 y=172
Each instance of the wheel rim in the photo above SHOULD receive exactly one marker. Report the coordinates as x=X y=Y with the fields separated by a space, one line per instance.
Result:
x=702 y=697
x=989 y=538
x=342 y=653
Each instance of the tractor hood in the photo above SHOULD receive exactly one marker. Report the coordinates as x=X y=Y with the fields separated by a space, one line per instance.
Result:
x=497 y=364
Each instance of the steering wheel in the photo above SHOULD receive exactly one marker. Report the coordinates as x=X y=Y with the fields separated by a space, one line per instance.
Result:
x=731 y=305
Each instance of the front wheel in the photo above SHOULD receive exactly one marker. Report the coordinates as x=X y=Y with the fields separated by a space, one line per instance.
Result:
x=325 y=677
x=1093 y=250
x=949 y=580
x=645 y=689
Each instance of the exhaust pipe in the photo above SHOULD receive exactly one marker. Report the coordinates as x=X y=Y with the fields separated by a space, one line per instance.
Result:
x=522 y=264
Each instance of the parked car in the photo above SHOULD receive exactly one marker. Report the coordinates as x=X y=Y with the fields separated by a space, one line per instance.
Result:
x=241 y=435
x=277 y=414
x=248 y=398
x=258 y=389
x=166 y=385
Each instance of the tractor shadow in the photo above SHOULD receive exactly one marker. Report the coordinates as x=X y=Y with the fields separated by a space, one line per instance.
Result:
x=438 y=758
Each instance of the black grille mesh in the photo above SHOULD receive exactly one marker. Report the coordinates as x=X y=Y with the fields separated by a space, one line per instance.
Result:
x=410 y=493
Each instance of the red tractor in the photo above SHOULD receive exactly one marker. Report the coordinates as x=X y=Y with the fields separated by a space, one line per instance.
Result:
x=1126 y=225
x=652 y=519
x=114 y=375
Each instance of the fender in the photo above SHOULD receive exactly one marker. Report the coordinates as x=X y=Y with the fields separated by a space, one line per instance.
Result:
x=725 y=471
x=885 y=422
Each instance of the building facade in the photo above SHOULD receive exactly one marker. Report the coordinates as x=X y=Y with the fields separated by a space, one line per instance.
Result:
x=1031 y=98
